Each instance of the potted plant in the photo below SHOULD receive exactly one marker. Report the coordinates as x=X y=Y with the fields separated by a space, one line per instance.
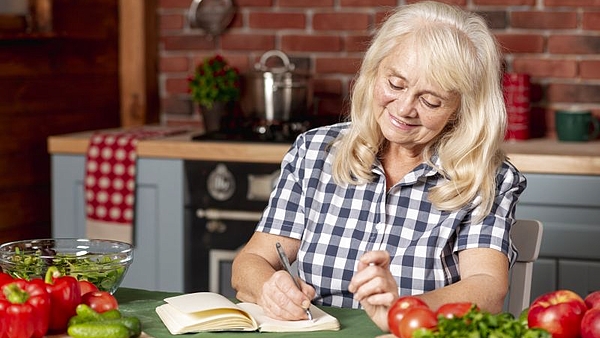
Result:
x=214 y=80
x=215 y=87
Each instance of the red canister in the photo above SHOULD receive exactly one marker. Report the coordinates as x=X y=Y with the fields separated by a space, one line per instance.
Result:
x=516 y=87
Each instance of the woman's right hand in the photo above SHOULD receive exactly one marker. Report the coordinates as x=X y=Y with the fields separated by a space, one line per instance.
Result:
x=281 y=299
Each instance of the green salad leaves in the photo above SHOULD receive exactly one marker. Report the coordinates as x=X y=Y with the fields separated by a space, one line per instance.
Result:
x=103 y=271
x=479 y=324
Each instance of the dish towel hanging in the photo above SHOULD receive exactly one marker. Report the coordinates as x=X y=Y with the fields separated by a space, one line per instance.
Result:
x=110 y=181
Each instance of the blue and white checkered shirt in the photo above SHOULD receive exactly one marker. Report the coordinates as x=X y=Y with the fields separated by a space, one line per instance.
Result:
x=338 y=224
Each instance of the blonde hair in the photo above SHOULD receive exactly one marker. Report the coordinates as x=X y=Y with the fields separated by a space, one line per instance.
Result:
x=459 y=53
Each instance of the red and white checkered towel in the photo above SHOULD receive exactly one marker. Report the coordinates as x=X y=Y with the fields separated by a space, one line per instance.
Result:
x=110 y=181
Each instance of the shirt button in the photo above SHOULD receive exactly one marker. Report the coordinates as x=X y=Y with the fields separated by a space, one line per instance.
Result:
x=380 y=227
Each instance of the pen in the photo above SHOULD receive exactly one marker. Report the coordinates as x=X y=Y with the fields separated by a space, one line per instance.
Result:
x=286 y=265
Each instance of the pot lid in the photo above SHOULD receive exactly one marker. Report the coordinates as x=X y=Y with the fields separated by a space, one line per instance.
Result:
x=286 y=65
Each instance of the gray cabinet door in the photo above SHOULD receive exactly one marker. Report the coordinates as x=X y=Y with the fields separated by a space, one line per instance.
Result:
x=582 y=277
x=569 y=208
x=158 y=236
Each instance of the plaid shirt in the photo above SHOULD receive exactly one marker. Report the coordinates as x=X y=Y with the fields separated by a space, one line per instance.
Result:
x=338 y=224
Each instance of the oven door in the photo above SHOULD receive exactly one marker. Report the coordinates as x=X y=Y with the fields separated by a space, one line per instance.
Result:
x=220 y=263
x=214 y=232
x=226 y=201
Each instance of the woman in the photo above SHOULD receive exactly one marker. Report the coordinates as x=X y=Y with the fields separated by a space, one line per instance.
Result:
x=412 y=196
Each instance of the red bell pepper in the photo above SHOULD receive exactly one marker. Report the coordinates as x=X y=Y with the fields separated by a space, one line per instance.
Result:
x=24 y=309
x=65 y=295
x=5 y=279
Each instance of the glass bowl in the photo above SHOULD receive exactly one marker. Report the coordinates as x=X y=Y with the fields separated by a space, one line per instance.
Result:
x=102 y=262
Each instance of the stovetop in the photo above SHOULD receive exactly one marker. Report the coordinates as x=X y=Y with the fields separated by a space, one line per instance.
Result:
x=258 y=132
x=261 y=131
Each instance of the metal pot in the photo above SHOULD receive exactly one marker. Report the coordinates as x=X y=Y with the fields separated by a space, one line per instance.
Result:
x=276 y=94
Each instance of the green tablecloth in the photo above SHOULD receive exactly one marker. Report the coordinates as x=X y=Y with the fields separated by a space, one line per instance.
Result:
x=141 y=303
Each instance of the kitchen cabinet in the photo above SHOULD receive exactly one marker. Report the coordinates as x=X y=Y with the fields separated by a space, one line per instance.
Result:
x=158 y=255
x=569 y=208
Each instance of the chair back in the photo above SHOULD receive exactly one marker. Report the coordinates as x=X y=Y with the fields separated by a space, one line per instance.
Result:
x=526 y=236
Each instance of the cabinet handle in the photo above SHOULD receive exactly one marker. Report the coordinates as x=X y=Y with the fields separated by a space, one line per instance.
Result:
x=231 y=215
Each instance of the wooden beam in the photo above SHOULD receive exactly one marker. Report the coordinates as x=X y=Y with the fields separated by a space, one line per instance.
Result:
x=132 y=65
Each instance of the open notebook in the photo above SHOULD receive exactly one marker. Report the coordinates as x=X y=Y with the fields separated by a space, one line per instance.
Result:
x=209 y=311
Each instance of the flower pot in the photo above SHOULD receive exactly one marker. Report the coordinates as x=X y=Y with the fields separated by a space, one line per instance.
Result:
x=214 y=115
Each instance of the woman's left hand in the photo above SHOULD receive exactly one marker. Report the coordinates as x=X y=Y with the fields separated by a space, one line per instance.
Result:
x=374 y=286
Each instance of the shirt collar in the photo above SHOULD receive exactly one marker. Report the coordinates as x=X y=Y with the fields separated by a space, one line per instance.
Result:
x=422 y=170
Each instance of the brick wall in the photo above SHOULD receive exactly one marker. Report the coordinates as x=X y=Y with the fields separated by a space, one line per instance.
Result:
x=557 y=42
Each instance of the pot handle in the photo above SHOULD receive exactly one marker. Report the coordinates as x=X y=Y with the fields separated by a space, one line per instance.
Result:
x=287 y=66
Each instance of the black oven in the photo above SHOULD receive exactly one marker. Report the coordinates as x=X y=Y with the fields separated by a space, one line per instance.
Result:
x=225 y=201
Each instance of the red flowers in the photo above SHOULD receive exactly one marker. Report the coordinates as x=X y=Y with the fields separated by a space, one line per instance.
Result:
x=214 y=80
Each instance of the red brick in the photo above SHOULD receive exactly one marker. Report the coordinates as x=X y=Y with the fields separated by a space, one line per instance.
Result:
x=357 y=43
x=341 y=21
x=546 y=67
x=574 y=44
x=494 y=19
x=306 y=3
x=460 y=3
x=589 y=69
x=254 y=3
x=591 y=21
x=338 y=65
x=504 y=2
x=367 y=3
x=171 y=22
x=187 y=42
x=521 y=43
x=573 y=93
x=543 y=20
x=175 y=105
x=336 y=107
x=248 y=41
x=237 y=21
x=324 y=87
x=239 y=61
x=313 y=43
x=174 y=64
x=173 y=4
x=572 y=3
x=380 y=17
x=177 y=85
x=277 y=20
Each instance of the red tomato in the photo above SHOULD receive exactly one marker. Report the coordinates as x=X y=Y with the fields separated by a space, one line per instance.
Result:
x=558 y=312
x=397 y=310
x=417 y=318
x=590 y=324
x=100 y=301
x=452 y=310
x=86 y=287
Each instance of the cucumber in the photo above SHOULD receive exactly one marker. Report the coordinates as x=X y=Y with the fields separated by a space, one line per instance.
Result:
x=98 y=329
x=87 y=313
x=132 y=323
x=111 y=314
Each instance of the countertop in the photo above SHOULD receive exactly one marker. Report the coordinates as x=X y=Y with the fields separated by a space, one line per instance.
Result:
x=546 y=155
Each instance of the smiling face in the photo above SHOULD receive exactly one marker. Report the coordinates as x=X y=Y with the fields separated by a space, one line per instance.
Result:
x=411 y=109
